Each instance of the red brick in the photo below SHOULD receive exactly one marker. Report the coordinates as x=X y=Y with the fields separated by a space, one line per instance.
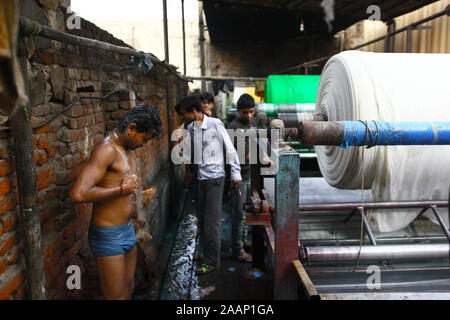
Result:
x=8 y=222
x=52 y=194
x=5 y=187
x=12 y=285
x=45 y=57
x=90 y=120
x=3 y=265
x=52 y=151
x=69 y=254
x=71 y=123
x=14 y=255
x=45 y=129
x=42 y=158
x=69 y=176
x=71 y=135
x=76 y=111
x=69 y=230
x=7 y=243
x=7 y=203
x=53 y=247
x=52 y=261
x=44 y=179
x=81 y=123
x=19 y=294
x=42 y=142
x=99 y=117
x=6 y=167
x=49 y=213
x=69 y=241
x=49 y=225
x=66 y=219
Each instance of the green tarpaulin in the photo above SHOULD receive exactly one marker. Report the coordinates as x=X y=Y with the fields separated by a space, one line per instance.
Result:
x=291 y=89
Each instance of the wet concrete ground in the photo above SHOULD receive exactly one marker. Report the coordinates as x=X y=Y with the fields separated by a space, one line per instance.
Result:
x=233 y=280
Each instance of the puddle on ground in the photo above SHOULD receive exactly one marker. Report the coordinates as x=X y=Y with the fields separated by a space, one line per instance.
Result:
x=180 y=281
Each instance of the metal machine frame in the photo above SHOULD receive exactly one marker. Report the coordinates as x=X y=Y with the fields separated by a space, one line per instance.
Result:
x=275 y=229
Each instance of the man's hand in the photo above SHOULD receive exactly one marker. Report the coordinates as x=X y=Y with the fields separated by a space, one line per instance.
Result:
x=177 y=135
x=129 y=184
x=236 y=183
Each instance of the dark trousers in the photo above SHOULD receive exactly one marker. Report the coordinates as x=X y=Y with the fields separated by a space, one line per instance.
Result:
x=209 y=201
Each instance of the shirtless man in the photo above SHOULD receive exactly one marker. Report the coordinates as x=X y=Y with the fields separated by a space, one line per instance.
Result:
x=109 y=180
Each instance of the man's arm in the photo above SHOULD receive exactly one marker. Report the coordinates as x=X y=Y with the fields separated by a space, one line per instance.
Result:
x=85 y=189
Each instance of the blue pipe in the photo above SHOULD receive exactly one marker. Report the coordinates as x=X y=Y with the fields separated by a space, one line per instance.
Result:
x=395 y=133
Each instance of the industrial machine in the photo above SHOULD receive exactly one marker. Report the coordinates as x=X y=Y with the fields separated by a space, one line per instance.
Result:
x=316 y=238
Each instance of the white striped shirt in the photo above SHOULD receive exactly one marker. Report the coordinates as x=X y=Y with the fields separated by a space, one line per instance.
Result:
x=209 y=136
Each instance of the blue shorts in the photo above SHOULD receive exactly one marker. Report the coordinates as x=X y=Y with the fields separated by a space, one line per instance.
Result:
x=111 y=241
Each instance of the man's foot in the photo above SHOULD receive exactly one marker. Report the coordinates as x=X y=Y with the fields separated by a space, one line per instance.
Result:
x=243 y=257
x=204 y=269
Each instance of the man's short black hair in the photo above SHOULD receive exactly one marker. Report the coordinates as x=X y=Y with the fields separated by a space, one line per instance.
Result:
x=245 y=101
x=189 y=103
x=145 y=117
x=207 y=96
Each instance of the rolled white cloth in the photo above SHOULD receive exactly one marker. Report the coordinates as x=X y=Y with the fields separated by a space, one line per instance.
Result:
x=358 y=85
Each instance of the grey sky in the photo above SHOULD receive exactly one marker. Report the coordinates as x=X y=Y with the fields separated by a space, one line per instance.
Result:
x=133 y=9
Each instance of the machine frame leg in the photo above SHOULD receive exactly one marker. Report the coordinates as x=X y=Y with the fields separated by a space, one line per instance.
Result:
x=286 y=225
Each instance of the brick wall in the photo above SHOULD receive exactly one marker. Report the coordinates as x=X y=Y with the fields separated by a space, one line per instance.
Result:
x=55 y=74
x=262 y=58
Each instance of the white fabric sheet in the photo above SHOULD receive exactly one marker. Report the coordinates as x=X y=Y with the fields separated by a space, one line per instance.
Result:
x=359 y=85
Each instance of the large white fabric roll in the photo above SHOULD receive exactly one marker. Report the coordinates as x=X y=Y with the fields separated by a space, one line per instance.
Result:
x=359 y=85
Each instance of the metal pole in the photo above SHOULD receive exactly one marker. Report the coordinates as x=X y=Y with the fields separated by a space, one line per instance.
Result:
x=21 y=131
x=184 y=37
x=33 y=28
x=201 y=27
x=212 y=78
x=166 y=32
x=271 y=109
x=29 y=210
x=286 y=225
x=293 y=120
x=372 y=205
x=168 y=113
x=367 y=228
x=359 y=133
x=388 y=252
x=441 y=222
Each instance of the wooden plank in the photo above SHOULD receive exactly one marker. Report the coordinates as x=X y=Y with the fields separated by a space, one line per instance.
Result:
x=305 y=281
